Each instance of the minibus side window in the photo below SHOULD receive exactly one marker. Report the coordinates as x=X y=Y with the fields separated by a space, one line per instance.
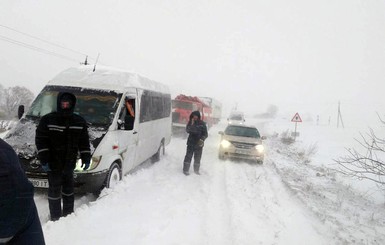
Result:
x=127 y=115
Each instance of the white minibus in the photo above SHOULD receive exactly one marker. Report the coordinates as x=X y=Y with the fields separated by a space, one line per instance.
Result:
x=120 y=140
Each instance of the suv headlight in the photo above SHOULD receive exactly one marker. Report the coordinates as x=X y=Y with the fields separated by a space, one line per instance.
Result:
x=260 y=148
x=93 y=164
x=225 y=143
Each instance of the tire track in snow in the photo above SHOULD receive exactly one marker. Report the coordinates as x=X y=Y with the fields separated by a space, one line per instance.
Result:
x=218 y=223
x=262 y=212
x=250 y=212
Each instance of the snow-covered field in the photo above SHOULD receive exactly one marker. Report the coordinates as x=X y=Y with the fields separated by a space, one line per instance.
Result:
x=295 y=197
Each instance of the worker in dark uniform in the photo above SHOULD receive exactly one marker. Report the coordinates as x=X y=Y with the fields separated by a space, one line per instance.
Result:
x=197 y=130
x=60 y=136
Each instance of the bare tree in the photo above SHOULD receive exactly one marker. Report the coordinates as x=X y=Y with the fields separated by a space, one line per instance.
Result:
x=370 y=165
x=2 y=113
x=12 y=97
x=272 y=110
x=1 y=93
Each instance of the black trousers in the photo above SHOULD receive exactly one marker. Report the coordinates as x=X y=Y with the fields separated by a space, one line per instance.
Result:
x=61 y=186
x=192 y=150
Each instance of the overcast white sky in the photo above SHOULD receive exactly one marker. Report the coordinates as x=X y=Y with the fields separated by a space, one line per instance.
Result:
x=300 y=55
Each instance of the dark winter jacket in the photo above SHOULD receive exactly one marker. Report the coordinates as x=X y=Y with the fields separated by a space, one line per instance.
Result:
x=16 y=193
x=61 y=135
x=196 y=131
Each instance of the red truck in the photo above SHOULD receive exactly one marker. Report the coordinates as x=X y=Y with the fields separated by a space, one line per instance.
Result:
x=183 y=105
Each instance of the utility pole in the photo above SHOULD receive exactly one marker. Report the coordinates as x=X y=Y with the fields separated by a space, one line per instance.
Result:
x=339 y=116
x=97 y=58
x=85 y=62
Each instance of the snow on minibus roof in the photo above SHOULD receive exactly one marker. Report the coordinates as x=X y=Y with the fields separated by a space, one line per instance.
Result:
x=105 y=78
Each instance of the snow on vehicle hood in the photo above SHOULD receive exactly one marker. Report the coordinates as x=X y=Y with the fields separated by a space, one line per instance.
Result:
x=22 y=138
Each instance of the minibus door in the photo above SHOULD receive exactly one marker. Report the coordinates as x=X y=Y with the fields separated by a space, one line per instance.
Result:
x=128 y=131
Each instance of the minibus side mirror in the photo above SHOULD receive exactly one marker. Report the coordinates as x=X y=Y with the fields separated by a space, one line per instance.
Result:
x=263 y=137
x=120 y=124
x=220 y=132
x=20 y=111
x=111 y=116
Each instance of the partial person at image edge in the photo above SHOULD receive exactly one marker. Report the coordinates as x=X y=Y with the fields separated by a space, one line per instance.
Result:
x=19 y=219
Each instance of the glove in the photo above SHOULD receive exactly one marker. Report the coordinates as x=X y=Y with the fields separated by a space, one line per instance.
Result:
x=85 y=166
x=201 y=143
x=45 y=167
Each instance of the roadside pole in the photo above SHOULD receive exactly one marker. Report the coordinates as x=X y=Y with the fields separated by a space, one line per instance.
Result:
x=296 y=119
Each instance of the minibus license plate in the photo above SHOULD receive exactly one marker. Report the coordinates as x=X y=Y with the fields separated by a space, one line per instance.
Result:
x=39 y=183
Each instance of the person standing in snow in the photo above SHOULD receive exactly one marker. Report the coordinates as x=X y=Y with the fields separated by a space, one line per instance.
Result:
x=60 y=136
x=19 y=220
x=197 y=130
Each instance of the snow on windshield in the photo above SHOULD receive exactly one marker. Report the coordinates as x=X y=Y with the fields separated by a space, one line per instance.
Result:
x=97 y=107
x=242 y=131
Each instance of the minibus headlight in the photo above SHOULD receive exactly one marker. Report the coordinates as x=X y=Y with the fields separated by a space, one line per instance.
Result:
x=93 y=164
x=225 y=143
x=260 y=148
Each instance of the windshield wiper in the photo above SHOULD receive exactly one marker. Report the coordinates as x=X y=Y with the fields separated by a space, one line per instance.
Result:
x=32 y=117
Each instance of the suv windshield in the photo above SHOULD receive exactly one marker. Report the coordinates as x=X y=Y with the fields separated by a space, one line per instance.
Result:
x=242 y=131
x=97 y=107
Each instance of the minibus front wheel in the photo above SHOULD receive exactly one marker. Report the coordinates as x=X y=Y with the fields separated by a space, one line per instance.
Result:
x=114 y=175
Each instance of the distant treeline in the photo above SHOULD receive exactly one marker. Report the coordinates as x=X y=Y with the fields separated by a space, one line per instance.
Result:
x=11 y=98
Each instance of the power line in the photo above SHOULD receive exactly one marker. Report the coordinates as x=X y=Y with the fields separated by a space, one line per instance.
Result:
x=43 y=40
x=25 y=45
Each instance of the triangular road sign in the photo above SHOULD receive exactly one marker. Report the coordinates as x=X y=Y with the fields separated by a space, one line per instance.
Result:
x=296 y=118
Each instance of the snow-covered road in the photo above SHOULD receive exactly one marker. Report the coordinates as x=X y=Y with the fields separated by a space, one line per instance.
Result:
x=295 y=197
x=229 y=203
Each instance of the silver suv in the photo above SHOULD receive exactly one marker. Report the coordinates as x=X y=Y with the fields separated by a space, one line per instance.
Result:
x=242 y=142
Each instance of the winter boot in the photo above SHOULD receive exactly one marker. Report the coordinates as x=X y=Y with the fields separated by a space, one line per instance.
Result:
x=54 y=203
x=68 y=203
x=55 y=209
x=196 y=168
x=186 y=168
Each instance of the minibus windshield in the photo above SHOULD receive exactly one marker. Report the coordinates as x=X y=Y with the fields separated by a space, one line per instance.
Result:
x=97 y=107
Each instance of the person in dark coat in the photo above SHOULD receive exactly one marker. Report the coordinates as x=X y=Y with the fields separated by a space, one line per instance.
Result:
x=60 y=136
x=19 y=220
x=197 y=130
